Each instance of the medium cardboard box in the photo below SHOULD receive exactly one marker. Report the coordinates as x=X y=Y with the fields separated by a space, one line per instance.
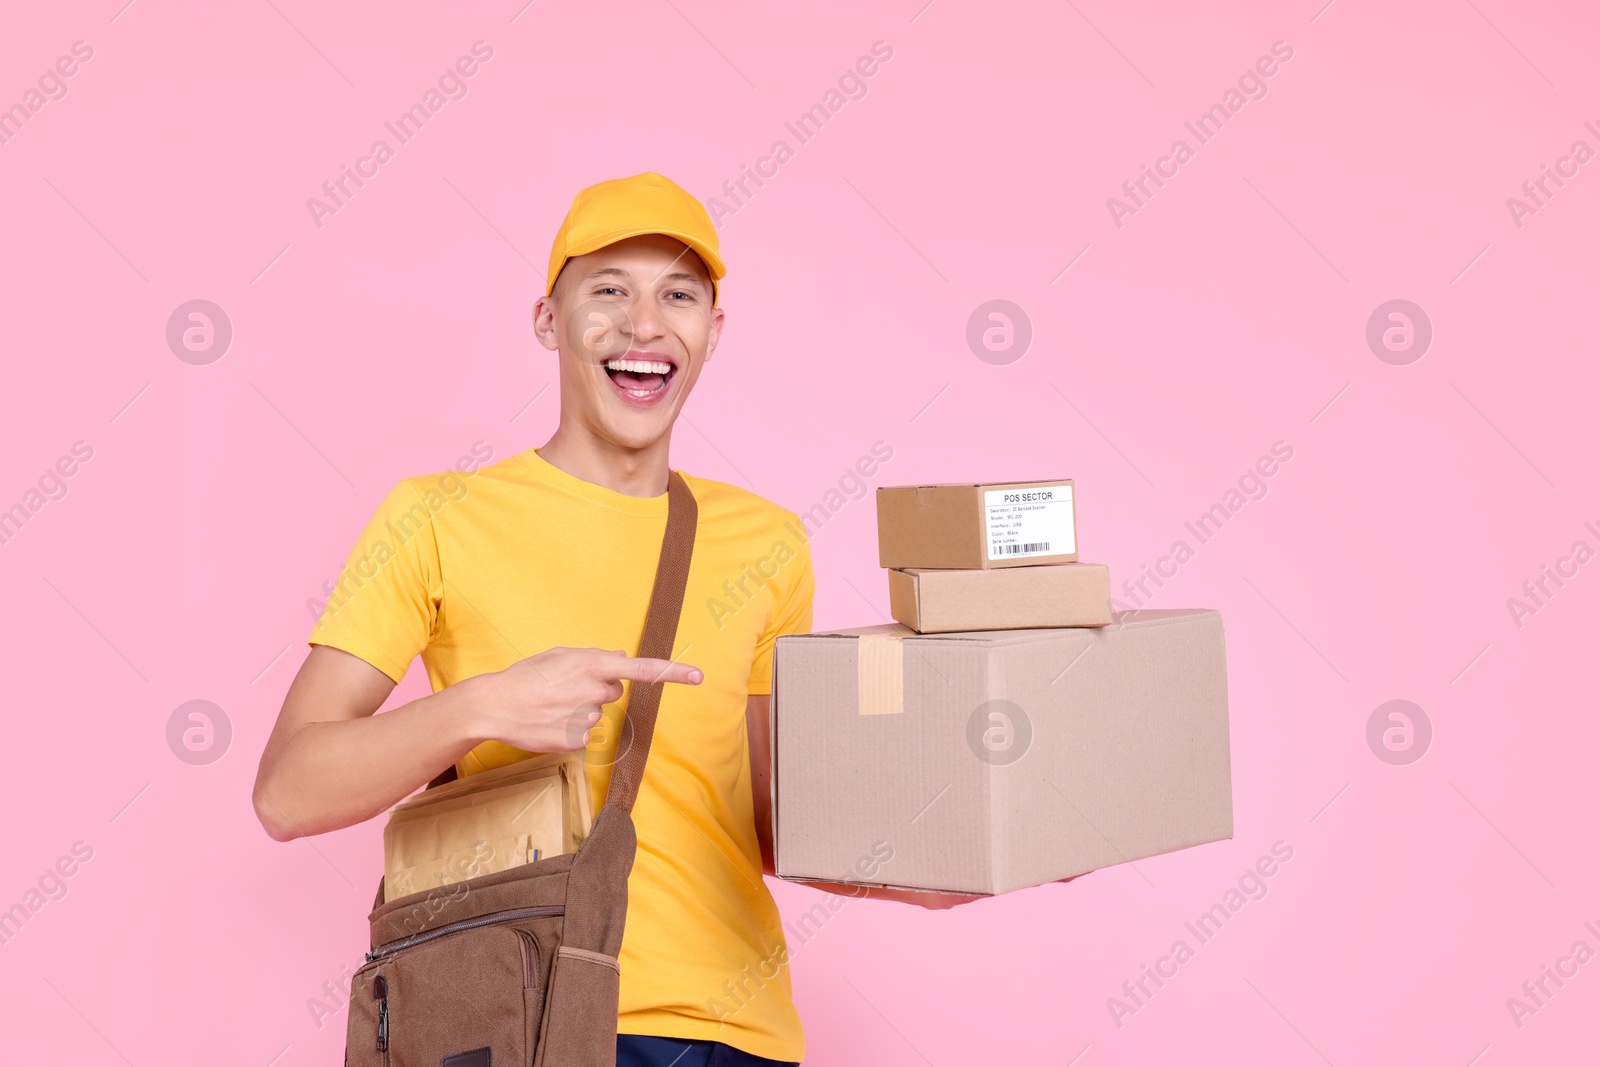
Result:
x=977 y=525
x=1049 y=595
x=984 y=762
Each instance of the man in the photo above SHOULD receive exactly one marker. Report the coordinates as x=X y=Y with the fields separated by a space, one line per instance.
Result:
x=520 y=583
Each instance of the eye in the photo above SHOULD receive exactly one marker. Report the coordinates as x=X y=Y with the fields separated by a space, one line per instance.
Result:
x=607 y=289
x=680 y=292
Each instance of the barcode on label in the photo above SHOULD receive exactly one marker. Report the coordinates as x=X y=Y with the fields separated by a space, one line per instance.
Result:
x=1011 y=550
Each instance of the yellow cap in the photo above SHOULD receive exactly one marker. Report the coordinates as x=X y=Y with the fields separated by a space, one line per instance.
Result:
x=614 y=210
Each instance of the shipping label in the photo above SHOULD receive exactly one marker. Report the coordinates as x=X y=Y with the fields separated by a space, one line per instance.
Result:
x=1032 y=521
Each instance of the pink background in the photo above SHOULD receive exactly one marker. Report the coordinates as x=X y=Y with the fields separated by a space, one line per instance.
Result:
x=1227 y=314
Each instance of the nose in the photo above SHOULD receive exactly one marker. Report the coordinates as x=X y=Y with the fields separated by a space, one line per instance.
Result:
x=645 y=317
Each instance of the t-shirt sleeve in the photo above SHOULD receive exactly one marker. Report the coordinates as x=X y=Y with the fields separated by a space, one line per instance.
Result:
x=791 y=615
x=384 y=606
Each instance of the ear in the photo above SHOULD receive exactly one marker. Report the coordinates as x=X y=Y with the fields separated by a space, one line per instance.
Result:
x=714 y=334
x=544 y=323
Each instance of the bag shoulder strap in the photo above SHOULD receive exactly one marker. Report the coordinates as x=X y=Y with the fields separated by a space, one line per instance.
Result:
x=660 y=631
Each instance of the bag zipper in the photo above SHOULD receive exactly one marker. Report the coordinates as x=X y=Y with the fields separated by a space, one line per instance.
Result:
x=403 y=943
x=380 y=990
x=530 y=959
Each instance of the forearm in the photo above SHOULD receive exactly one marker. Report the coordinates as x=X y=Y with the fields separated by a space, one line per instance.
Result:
x=329 y=775
x=863 y=892
x=921 y=898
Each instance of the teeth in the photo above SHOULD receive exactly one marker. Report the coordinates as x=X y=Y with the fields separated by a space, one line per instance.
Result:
x=639 y=366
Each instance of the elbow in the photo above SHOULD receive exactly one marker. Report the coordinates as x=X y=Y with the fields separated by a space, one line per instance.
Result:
x=277 y=825
x=278 y=832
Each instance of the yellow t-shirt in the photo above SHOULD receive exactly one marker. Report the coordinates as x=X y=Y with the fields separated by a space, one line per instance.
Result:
x=475 y=571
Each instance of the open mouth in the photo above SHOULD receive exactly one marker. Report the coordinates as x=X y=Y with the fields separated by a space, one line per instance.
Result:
x=641 y=378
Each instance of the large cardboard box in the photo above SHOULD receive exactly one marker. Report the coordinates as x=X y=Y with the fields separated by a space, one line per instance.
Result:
x=1049 y=595
x=976 y=525
x=984 y=762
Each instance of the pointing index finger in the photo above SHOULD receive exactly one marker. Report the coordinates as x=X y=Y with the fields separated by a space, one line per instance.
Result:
x=645 y=669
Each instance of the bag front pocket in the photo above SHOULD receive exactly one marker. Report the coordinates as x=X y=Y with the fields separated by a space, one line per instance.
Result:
x=580 y=1012
x=476 y=989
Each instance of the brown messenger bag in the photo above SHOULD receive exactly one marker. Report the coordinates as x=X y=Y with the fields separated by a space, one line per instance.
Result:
x=519 y=967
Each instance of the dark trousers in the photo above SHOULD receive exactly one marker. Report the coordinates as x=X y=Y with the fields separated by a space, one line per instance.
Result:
x=636 y=1050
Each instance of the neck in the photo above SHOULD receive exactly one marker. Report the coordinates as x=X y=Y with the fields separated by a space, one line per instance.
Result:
x=638 y=472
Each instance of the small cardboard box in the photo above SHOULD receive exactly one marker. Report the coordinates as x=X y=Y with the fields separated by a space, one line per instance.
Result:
x=980 y=763
x=977 y=525
x=1049 y=595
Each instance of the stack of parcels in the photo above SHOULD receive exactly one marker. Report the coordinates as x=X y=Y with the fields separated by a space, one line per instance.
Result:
x=988 y=557
x=1010 y=729
x=487 y=822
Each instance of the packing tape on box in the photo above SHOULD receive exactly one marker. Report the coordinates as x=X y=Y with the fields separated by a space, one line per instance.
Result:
x=880 y=674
